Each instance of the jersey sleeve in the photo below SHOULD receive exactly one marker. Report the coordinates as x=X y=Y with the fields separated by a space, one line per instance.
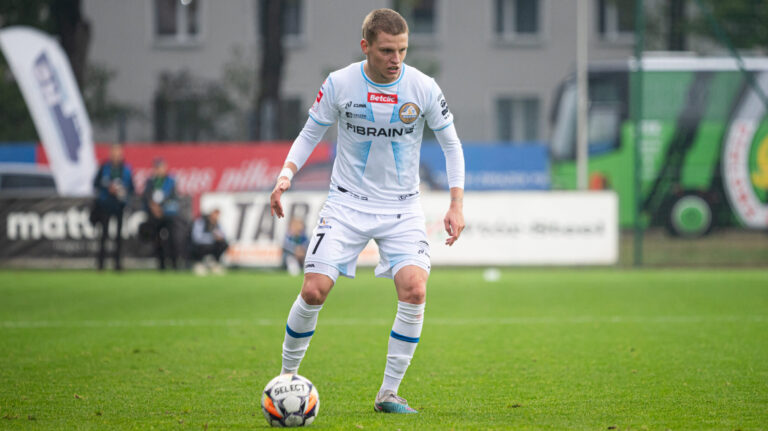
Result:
x=437 y=113
x=323 y=110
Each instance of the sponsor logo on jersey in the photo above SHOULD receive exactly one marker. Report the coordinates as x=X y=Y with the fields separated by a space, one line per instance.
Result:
x=382 y=98
x=353 y=115
x=444 y=105
x=423 y=247
x=316 y=105
x=379 y=131
x=409 y=113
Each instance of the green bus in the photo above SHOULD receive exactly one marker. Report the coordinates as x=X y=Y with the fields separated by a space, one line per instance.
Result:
x=703 y=149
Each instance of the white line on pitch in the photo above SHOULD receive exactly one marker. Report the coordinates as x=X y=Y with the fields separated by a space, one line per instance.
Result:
x=22 y=324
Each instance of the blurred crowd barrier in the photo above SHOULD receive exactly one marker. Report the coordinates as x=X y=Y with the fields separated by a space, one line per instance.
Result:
x=55 y=232
x=503 y=228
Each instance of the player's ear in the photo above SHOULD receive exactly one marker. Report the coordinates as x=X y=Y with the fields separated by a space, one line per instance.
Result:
x=364 y=46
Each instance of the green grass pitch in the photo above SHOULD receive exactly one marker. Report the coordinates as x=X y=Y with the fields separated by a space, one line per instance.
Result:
x=539 y=349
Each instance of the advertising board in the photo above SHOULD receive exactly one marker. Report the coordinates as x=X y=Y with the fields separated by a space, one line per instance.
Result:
x=503 y=228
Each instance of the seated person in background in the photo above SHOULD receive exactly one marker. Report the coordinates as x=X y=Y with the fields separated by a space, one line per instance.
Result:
x=295 y=247
x=207 y=243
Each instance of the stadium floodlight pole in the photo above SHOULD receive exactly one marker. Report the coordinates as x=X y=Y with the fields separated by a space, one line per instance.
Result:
x=582 y=91
x=637 y=114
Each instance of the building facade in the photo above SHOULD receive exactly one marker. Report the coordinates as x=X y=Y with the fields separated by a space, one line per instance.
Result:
x=498 y=62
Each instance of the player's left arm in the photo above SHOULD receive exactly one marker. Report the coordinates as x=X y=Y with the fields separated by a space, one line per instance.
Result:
x=440 y=119
x=454 y=164
x=454 y=218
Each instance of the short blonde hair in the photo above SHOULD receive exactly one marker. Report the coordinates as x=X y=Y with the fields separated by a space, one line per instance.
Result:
x=383 y=20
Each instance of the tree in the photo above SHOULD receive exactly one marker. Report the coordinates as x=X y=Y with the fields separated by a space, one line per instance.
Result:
x=743 y=21
x=63 y=19
x=74 y=34
x=676 y=40
x=267 y=121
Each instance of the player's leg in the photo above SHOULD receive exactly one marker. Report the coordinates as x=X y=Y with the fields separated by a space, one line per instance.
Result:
x=405 y=257
x=411 y=284
x=332 y=251
x=302 y=319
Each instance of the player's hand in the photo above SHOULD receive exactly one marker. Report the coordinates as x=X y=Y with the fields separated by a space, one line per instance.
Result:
x=454 y=224
x=283 y=184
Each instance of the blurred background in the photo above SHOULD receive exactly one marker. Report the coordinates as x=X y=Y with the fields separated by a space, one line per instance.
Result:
x=218 y=89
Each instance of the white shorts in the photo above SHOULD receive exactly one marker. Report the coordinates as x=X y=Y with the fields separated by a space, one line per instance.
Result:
x=342 y=233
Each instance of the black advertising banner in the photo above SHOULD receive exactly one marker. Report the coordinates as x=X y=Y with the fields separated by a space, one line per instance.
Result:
x=59 y=228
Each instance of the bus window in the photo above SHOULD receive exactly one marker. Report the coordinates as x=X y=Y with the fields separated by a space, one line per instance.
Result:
x=604 y=120
x=564 y=127
x=607 y=110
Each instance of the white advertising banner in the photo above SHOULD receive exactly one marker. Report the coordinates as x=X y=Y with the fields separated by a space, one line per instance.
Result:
x=503 y=228
x=46 y=81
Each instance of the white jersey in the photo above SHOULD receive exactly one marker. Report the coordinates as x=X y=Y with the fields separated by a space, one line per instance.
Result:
x=380 y=129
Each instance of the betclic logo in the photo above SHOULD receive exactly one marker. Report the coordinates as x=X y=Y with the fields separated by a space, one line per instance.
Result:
x=382 y=98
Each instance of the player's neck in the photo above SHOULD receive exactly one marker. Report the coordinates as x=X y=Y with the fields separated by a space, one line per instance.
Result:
x=378 y=79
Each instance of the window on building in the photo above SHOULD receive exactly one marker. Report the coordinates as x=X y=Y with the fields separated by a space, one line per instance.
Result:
x=518 y=18
x=616 y=19
x=518 y=119
x=420 y=15
x=292 y=18
x=177 y=21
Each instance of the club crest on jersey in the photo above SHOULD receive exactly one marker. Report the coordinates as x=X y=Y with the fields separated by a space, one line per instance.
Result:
x=382 y=98
x=409 y=112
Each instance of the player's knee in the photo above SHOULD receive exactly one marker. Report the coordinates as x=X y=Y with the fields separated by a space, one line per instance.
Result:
x=414 y=288
x=316 y=288
x=417 y=294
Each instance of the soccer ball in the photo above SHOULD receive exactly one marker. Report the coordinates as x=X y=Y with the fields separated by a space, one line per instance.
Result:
x=290 y=400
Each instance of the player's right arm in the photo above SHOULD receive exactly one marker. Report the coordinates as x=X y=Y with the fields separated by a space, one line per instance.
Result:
x=322 y=115
x=283 y=184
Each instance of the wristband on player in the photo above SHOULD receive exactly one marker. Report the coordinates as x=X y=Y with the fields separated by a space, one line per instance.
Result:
x=286 y=172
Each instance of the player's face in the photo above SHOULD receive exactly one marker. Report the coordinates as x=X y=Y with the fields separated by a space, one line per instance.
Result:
x=385 y=56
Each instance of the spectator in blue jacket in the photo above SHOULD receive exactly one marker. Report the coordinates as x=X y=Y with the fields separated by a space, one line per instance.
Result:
x=162 y=206
x=114 y=187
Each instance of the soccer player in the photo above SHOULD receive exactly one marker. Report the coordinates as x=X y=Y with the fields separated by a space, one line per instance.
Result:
x=381 y=106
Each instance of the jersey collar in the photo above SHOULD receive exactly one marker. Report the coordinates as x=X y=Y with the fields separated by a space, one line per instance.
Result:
x=362 y=71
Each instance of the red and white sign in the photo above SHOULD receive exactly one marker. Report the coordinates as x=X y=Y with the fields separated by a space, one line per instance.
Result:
x=210 y=167
x=382 y=98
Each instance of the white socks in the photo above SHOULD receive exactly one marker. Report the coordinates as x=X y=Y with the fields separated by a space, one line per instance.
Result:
x=403 y=339
x=301 y=325
x=402 y=343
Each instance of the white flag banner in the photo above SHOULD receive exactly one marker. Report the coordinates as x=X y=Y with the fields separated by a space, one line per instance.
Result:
x=45 y=77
